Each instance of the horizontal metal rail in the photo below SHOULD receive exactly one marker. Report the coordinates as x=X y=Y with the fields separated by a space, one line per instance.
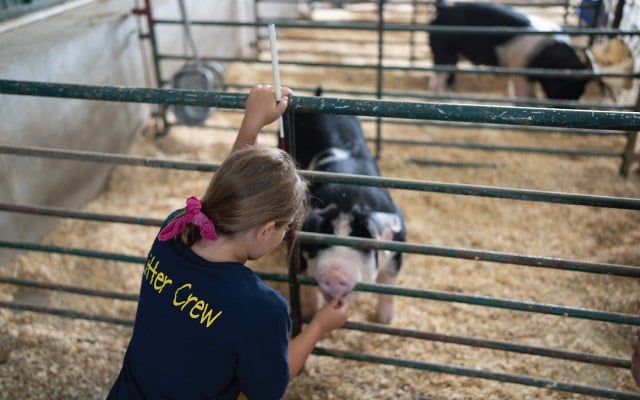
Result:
x=484 y=70
x=363 y=327
x=272 y=276
x=449 y=97
x=73 y=251
x=315 y=176
x=379 y=108
x=537 y=129
x=488 y=344
x=108 y=158
x=527 y=306
x=68 y=288
x=478 y=373
x=471 y=254
x=430 y=250
x=471 y=113
x=445 y=124
x=515 y=149
x=105 y=255
x=628 y=203
x=487 y=301
x=395 y=27
x=66 y=313
x=52 y=211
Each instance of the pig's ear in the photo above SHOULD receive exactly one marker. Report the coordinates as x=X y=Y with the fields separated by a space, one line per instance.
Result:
x=317 y=217
x=330 y=212
x=312 y=221
x=383 y=225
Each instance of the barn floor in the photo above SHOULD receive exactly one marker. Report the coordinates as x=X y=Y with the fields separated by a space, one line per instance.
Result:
x=59 y=358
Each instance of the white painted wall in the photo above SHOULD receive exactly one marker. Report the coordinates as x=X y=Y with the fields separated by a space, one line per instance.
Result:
x=89 y=42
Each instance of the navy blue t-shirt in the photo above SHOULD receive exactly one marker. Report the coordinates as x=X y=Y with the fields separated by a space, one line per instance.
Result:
x=204 y=330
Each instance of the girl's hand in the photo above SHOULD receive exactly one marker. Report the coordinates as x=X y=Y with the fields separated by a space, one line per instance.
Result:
x=261 y=107
x=333 y=315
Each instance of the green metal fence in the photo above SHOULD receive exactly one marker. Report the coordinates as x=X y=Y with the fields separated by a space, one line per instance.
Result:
x=605 y=120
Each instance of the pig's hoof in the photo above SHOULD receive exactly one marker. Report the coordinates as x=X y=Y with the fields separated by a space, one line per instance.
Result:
x=384 y=318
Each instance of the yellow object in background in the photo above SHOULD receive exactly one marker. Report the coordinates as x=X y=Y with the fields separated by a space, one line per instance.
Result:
x=613 y=56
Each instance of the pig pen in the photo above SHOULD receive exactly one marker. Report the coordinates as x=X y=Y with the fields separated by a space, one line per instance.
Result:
x=47 y=357
x=55 y=358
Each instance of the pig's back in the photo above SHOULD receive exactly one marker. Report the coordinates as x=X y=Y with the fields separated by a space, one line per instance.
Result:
x=316 y=132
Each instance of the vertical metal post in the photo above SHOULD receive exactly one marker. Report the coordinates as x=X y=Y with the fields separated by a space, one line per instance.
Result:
x=288 y=119
x=146 y=11
x=379 y=72
x=256 y=29
x=629 y=155
x=618 y=14
x=293 y=250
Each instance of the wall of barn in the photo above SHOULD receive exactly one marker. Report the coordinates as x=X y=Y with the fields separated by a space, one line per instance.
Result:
x=94 y=43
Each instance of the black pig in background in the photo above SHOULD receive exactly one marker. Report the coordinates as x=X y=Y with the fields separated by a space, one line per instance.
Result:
x=509 y=51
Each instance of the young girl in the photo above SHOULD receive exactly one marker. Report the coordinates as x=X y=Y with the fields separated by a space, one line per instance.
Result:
x=206 y=326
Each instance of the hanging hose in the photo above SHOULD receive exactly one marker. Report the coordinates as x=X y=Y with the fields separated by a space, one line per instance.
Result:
x=194 y=75
x=186 y=25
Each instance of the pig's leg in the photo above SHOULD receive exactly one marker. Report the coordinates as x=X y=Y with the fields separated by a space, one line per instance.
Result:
x=521 y=88
x=438 y=81
x=385 y=311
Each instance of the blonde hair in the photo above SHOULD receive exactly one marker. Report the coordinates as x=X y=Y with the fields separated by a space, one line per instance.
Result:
x=254 y=185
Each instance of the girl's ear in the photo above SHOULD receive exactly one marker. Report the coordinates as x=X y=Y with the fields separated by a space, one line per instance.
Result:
x=265 y=229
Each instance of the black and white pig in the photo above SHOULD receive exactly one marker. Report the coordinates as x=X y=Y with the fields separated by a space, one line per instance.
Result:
x=508 y=50
x=335 y=143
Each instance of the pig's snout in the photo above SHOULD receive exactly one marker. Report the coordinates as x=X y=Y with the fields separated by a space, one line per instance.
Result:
x=334 y=284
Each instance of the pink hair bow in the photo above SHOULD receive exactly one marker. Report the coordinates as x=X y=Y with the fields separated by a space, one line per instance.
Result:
x=192 y=215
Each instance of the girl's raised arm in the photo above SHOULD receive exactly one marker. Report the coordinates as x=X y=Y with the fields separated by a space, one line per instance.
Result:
x=261 y=108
